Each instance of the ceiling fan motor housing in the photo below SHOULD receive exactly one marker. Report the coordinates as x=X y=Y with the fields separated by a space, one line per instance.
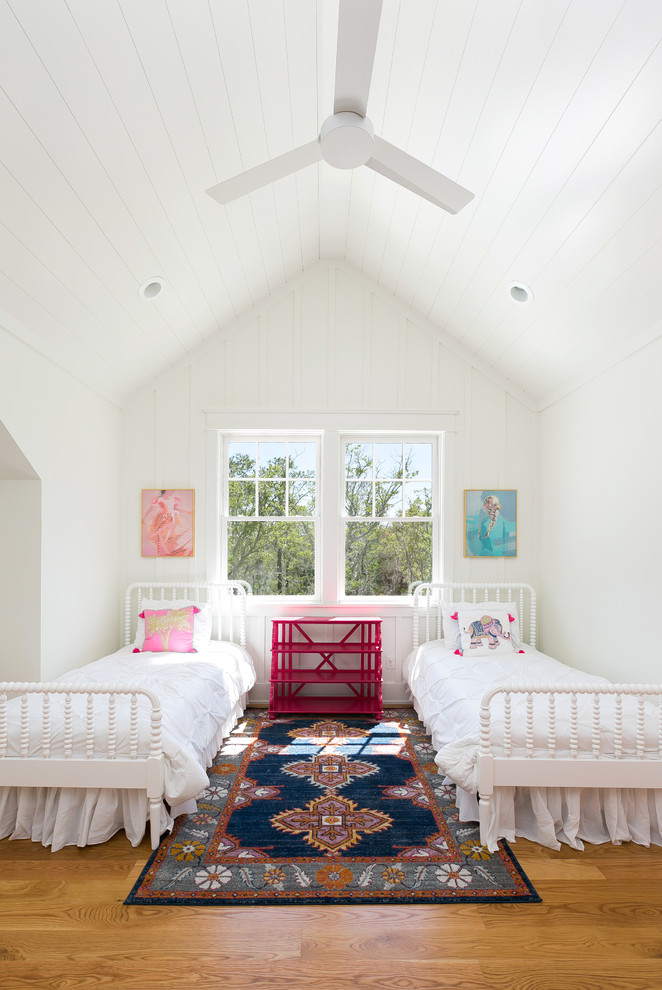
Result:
x=346 y=139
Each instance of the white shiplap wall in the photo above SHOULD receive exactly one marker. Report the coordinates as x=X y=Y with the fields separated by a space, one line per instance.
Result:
x=333 y=347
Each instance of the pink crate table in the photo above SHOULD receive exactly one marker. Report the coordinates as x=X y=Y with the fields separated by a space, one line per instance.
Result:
x=344 y=652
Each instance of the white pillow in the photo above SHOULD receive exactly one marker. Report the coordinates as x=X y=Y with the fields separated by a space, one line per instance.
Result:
x=485 y=632
x=452 y=633
x=202 y=620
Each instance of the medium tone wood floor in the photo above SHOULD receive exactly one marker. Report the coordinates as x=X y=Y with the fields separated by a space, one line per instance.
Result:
x=63 y=925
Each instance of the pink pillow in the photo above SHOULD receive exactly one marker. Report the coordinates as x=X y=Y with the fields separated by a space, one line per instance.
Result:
x=169 y=630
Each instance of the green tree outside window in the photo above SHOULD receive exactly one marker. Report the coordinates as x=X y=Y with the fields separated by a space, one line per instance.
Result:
x=272 y=516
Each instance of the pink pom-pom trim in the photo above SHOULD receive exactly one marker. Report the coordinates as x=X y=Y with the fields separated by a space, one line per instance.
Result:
x=141 y=615
x=136 y=650
x=454 y=616
x=511 y=618
x=521 y=651
x=459 y=653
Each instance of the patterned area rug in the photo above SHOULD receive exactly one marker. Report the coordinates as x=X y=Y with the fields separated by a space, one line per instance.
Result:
x=333 y=810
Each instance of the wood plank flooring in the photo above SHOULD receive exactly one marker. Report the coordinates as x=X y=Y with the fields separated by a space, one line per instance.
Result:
x=63 y=926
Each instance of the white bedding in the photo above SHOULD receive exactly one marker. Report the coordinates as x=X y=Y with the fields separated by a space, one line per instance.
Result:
x=448 y=689
x=201 y=697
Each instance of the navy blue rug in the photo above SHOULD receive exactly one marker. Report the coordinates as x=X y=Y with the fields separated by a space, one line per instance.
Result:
x=329 y=810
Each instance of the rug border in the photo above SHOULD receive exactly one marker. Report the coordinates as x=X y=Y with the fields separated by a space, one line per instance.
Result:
x=533 y=897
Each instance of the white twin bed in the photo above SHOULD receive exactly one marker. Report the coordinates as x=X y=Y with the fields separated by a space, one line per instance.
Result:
x=536 y=748
x=129 y=737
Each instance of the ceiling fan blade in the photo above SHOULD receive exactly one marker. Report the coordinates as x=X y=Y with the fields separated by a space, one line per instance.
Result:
x=358 y=25
x=265 y=174
x=409 y=172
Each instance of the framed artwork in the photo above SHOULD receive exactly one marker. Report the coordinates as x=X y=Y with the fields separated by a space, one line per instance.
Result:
x=168 y=522
x=490 y=522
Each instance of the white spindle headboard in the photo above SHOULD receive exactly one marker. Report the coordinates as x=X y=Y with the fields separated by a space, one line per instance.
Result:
x=227 y=599
x=430 y=597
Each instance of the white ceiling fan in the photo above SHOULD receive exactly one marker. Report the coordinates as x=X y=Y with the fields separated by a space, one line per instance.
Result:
x=347 y=138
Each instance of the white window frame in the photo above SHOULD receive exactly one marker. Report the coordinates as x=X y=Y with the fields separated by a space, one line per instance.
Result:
x=255 y=436
x=331 y=429
x=399 y=436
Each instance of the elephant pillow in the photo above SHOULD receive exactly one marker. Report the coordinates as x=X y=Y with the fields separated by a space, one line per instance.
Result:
x=453 y=632
x=485 y=632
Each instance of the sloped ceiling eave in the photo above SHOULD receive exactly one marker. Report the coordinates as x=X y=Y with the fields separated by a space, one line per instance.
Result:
x=287 y=287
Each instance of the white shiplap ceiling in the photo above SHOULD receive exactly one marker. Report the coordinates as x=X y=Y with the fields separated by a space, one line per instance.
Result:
x=117 y=115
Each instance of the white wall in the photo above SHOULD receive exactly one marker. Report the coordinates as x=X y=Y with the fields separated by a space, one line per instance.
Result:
x=600 y=522
x=72 y=439
x=20 y=580
x=331 y=344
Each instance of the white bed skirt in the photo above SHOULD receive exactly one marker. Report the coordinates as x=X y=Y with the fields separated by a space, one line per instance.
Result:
x=571 y=815
x=67 y=816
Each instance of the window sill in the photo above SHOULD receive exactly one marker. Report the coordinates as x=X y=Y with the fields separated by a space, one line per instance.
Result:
x=262 y=606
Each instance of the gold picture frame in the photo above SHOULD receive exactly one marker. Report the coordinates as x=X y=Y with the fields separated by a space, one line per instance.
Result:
x=490 y=522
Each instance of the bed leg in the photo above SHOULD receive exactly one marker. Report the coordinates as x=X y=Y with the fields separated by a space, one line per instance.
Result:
x=154 y=822
x=484 y=808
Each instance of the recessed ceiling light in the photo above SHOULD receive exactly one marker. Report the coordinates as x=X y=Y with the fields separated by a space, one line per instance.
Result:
x=521 y=293
x=152 y=287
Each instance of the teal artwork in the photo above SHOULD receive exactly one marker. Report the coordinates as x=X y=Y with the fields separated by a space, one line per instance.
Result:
x=490 y=522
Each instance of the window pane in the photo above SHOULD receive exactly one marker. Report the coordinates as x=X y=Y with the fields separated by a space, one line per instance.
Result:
x=358 y=460
x=272 y=459
x=271 y=498
x=302 y=498
x=358 y=498
x=386 y=558
x=388 y=498
x=388 y=460
x=303 y=458
x=418 y=460
x=418 y=498
x=276 y=558
x=241 y=460
x=241 y=500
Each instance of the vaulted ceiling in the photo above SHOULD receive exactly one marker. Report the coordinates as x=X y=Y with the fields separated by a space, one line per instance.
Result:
x=117 y=115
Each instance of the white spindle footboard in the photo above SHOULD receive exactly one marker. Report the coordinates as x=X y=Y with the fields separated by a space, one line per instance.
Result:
x=568 y=735
x=82 y=749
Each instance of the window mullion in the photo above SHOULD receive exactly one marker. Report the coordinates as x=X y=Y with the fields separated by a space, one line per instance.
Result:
x=331 y=491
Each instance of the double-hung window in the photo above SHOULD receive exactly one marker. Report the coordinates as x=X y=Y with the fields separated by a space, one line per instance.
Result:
x=388 y=516
x=271 y=514
x=307 y=514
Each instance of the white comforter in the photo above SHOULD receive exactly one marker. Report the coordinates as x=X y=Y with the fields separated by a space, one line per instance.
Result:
x=447 y=690
x=200 y=695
